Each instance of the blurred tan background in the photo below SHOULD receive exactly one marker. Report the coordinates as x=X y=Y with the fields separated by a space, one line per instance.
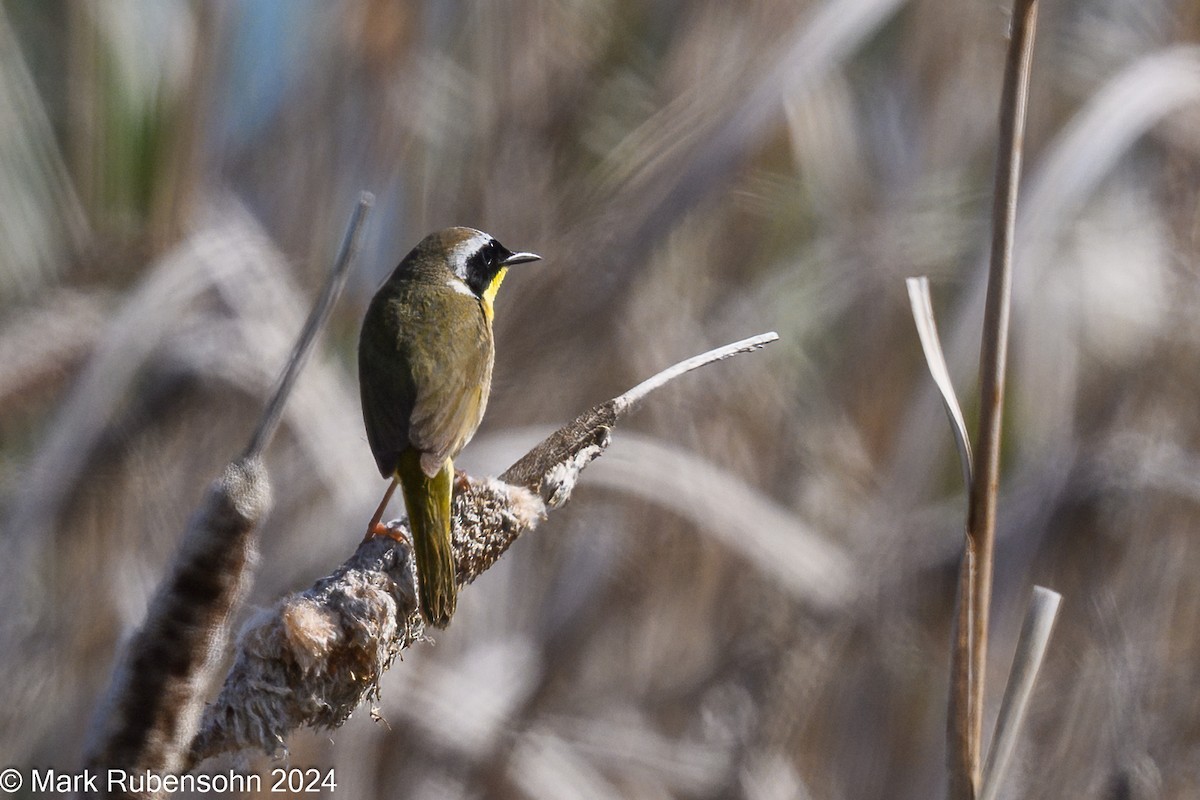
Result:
x=749 y=595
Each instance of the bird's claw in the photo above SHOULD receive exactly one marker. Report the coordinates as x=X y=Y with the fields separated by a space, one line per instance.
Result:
x=394 y=532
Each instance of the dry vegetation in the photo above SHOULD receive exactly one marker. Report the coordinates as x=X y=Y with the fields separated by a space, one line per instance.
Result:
x=750 y=593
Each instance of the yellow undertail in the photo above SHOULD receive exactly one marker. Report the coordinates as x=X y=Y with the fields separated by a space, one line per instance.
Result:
x=428 y=503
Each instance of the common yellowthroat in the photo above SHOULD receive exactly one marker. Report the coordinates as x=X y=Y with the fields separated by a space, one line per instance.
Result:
x=424 y=371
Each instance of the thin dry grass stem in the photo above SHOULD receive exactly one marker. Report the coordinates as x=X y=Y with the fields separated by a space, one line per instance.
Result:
x=964 y=754
x=960 y=754
x=317 y=318
x=317 y=655
x=1027 y=661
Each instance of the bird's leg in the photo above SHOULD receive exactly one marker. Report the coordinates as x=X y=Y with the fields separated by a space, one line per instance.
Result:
x=375 y=527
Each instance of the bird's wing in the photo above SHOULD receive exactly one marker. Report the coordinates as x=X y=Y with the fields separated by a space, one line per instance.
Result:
x=387 y=402
x=451 y=401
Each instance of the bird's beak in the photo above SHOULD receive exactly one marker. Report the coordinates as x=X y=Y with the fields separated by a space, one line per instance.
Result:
x=520 y=258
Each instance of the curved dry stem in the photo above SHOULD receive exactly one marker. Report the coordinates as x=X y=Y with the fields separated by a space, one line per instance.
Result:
x=935 y=360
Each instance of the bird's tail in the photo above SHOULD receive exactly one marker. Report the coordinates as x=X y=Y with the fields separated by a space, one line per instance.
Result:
x=428 y=503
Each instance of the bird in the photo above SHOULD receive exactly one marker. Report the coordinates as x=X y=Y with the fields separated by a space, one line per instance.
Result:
x=425 y=355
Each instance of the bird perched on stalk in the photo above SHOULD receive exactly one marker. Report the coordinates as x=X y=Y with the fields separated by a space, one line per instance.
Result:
x=424 y=371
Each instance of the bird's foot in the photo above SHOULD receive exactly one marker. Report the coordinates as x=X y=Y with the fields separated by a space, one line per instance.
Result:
x=391 y=531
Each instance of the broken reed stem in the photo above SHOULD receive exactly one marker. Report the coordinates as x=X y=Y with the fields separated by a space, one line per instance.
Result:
x=981 y=512
x=1027 y=661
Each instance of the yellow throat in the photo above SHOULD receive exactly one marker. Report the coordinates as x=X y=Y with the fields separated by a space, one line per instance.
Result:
x=489 y=294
